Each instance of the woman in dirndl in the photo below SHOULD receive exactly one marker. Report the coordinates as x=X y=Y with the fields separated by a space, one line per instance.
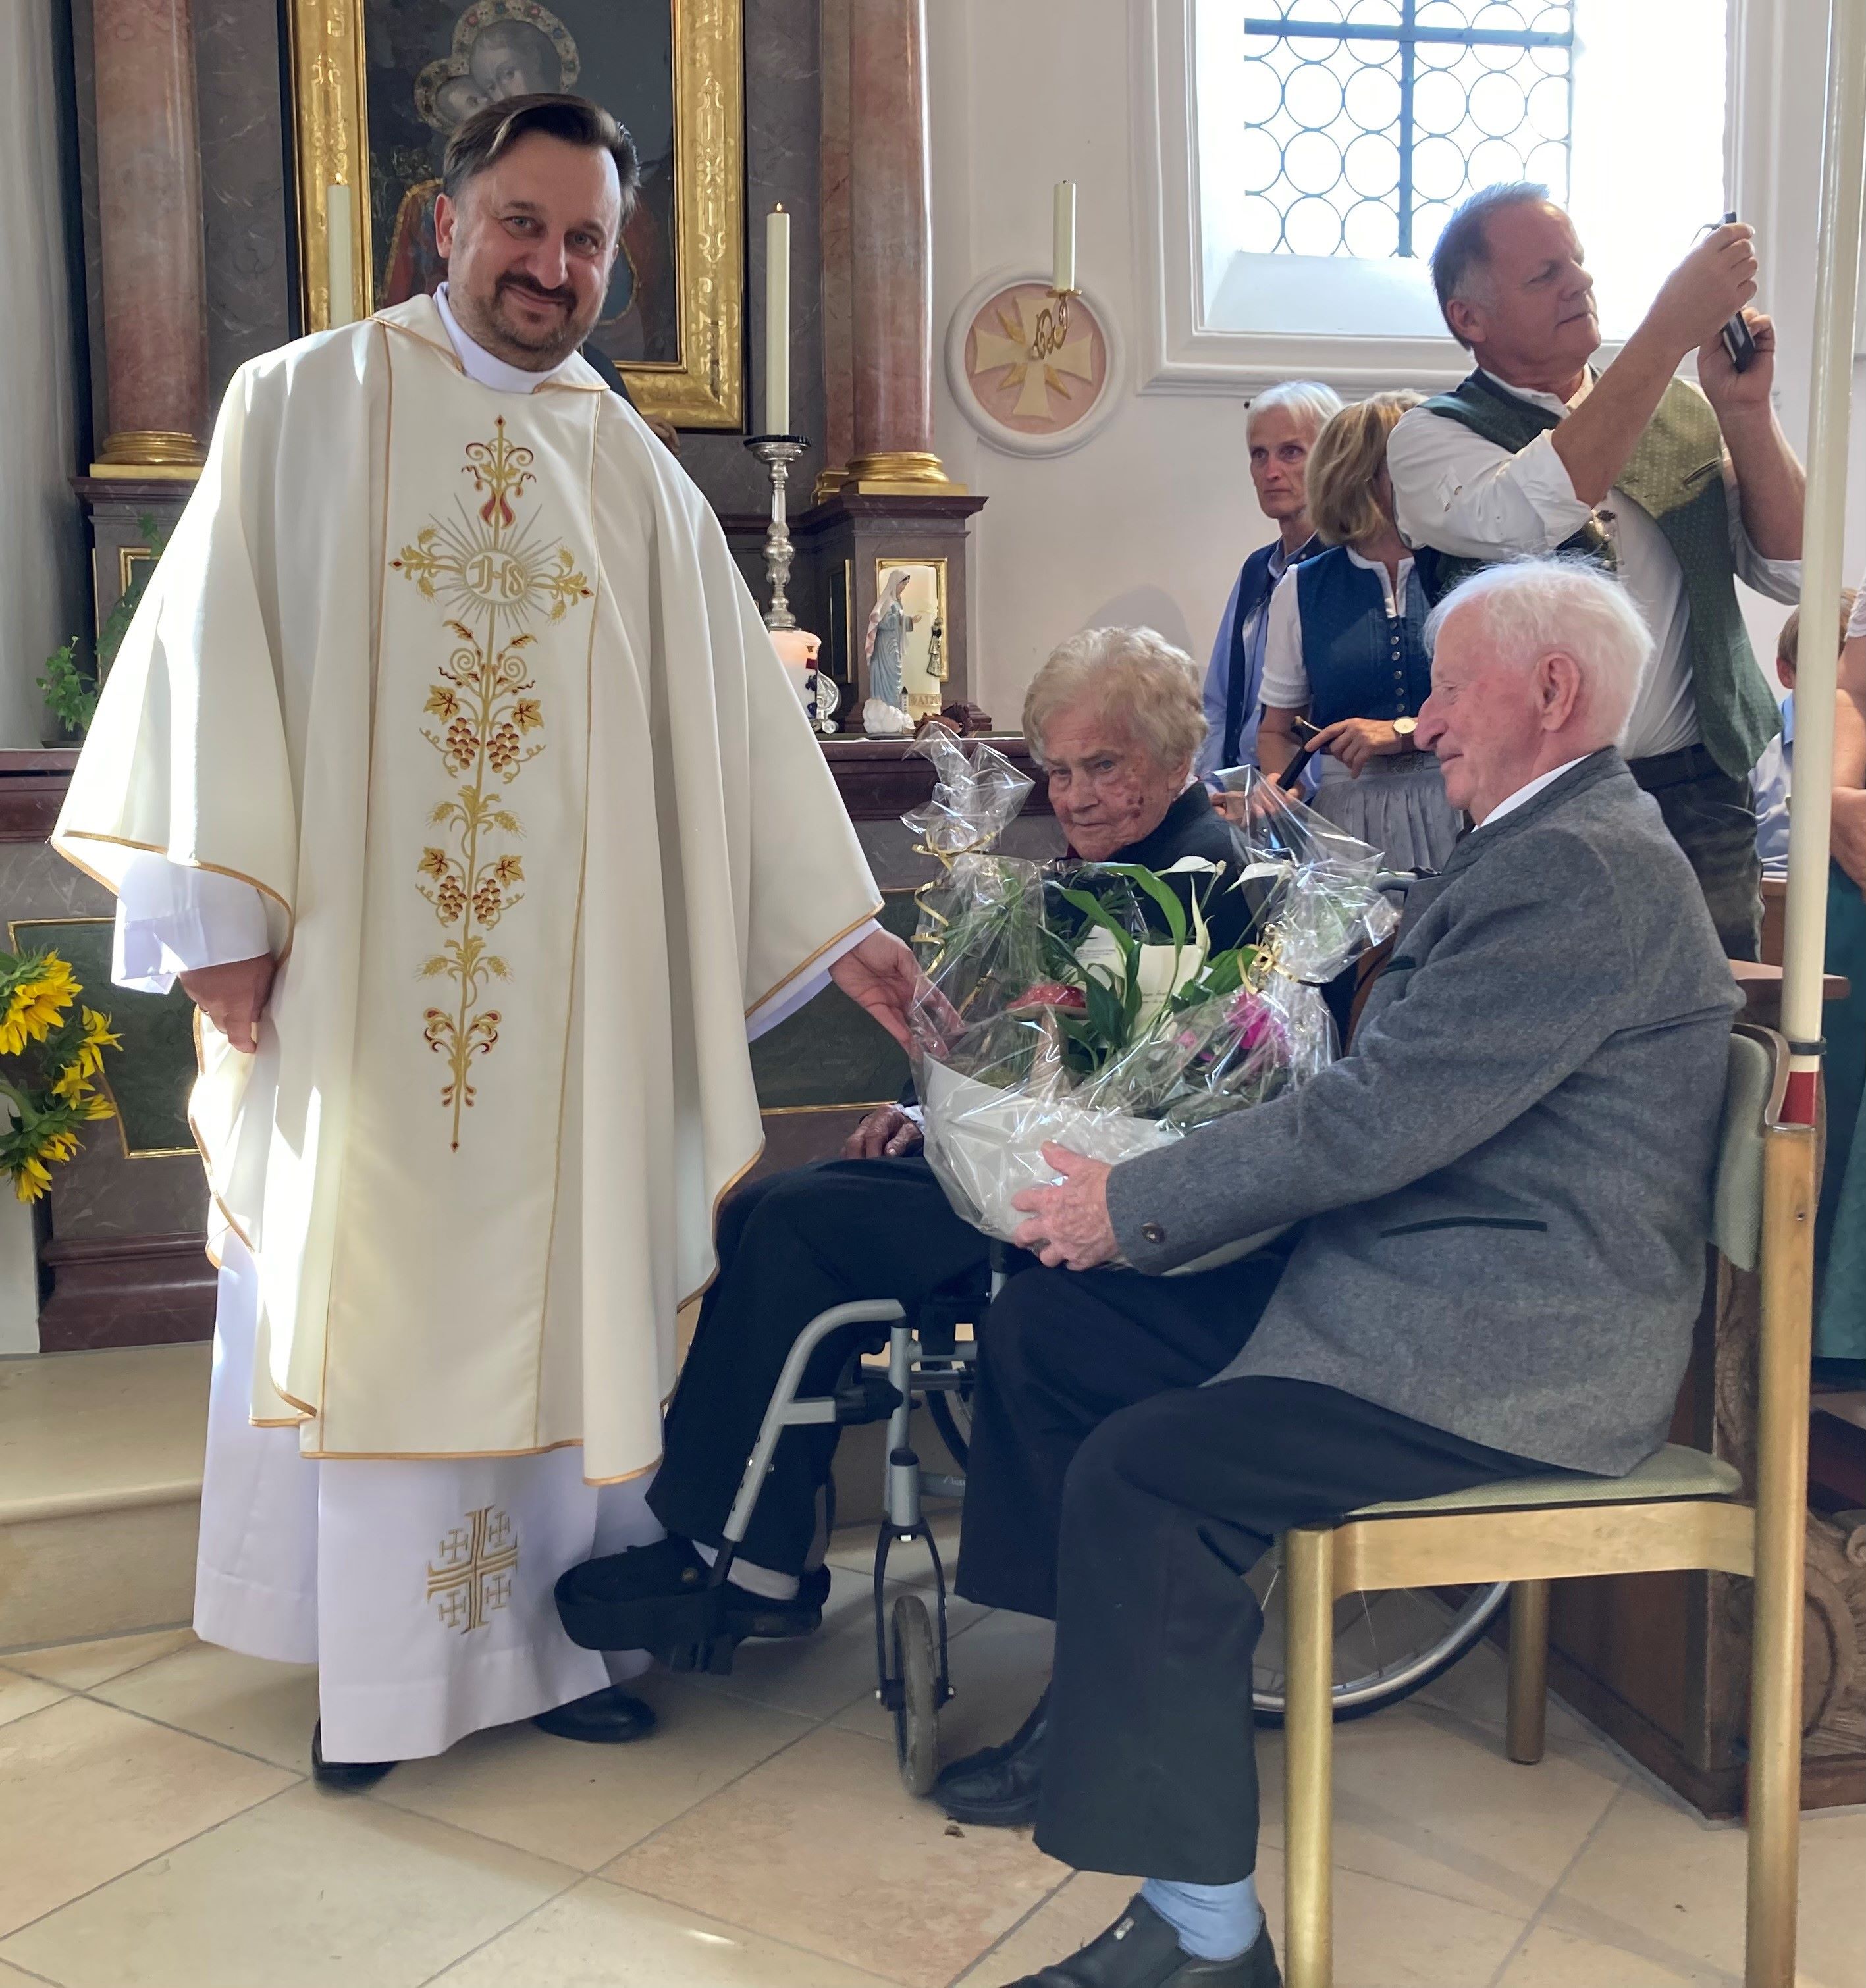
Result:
x=1344 y=649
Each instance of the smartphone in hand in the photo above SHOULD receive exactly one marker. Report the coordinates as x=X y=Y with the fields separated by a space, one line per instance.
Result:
x=1739 y=341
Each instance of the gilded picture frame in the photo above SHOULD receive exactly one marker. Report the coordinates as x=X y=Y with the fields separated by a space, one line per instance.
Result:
x=699 y=383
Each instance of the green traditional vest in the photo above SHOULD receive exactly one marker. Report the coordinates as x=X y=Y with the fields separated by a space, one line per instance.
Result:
x=1676 y=475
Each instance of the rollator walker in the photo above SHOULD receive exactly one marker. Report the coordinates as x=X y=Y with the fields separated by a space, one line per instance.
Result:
x=1388 y=1646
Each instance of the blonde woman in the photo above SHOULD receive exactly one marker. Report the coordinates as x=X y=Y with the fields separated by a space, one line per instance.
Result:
x=1343 y=651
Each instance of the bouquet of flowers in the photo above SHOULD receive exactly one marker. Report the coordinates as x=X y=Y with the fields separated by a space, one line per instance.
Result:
x=52 y=1053
x=1088 y=1005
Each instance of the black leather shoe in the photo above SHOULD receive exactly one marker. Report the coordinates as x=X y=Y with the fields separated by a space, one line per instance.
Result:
x=606 y=1718
x=344 y=1773
x=657 y=1598
x=1140 y=1950
x=998 y=1789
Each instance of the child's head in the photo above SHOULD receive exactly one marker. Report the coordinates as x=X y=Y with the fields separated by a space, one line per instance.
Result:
x=1789 y=642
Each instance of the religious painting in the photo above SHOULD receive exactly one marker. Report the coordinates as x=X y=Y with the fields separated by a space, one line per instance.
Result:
x=905 y=648
x=381 y=85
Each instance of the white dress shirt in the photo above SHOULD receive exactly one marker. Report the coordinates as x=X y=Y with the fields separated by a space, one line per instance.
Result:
x=1285 y=680
x=1509 y=804
x=1468 y=497
x=172 y=918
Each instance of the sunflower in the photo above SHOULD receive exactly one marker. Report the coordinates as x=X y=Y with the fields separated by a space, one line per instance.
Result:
x=36 y=1004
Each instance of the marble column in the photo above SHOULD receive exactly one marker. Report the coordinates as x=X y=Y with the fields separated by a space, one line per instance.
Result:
x=154 y=279
x=890 y=251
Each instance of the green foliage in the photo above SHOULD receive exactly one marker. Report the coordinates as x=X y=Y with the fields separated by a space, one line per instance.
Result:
x=70 y=684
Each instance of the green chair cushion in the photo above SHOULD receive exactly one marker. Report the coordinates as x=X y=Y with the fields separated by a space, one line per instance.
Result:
x=1674 y=1471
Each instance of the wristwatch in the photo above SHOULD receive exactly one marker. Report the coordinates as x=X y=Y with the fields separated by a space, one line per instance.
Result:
x=1405 y=727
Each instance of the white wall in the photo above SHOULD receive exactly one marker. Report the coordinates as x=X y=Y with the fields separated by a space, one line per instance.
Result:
x=1149 y=519
x=41 y=560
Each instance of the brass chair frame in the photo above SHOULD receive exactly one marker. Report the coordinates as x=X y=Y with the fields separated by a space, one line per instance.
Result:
x=1535 y=1544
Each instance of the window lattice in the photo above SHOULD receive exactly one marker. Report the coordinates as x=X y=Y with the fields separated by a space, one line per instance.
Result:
x=1366 y=122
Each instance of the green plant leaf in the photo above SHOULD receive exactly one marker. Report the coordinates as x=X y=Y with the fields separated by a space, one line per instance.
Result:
x=1162 y=894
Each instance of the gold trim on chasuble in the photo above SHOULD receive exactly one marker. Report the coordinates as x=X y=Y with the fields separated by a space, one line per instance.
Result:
x=487 y=567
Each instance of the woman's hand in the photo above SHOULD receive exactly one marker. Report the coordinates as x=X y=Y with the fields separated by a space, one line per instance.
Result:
x=885 y=1134
x=1355 y=740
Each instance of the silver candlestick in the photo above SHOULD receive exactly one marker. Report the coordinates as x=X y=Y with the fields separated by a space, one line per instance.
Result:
x=777 y=453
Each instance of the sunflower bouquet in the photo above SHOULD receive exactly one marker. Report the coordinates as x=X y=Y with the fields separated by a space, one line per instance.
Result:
x=52 y=1051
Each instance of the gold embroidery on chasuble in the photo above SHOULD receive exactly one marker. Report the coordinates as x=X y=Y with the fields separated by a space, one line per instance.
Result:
x=457 y=1168
x=491 y=572
x=470 y=1576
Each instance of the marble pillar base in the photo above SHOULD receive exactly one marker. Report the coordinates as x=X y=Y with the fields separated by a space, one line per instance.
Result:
x=153 y=448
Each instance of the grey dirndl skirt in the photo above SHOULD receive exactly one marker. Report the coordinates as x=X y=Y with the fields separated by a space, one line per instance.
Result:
x=1397 y=806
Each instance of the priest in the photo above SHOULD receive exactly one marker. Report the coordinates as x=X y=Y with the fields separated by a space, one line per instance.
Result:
x=447 y=764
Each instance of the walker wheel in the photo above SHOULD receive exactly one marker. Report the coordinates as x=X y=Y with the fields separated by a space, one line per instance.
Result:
x=916 y=1721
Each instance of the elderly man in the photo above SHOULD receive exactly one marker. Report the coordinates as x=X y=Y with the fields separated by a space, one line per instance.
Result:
x=1506 y=1186
x=1113 y=718
x=1535 y=452
x=1278 y=433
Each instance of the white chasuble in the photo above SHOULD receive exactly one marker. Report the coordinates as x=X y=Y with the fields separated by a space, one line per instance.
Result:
x=467 y=684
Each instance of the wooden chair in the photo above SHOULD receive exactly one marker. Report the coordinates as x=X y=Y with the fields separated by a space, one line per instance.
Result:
x=1679 y=1510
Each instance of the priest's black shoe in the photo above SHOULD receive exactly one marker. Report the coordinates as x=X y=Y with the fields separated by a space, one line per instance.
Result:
x=1140 y=1950
x=998 y=1789
x=606 y=1718
x=344 y=1773
x=659 y=1598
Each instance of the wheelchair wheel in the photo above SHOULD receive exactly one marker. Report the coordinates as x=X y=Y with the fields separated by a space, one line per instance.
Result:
x=1387 y=1645
x=952 y=1416
x=916 y=1722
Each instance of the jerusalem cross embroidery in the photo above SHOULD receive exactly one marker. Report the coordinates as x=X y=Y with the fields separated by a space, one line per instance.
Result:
x=474 y=1574
x=495 y=574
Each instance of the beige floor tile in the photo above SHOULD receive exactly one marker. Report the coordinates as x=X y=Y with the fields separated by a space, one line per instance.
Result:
x=20 y=1695
x=246 y=1702
x=820 y=1847
x=1663 y=1883
x=1473 y=1689
x=999 y=1670
x=87 y=1791
x=81 y=1666
x=12 y=1977
x=1389 y=1935
x=1070 y=1918
x=310 y=1890
x=1552 y=1958
x=600 y=1936
x=1422 y=1799
x=853 y=1546
x=584 y=1805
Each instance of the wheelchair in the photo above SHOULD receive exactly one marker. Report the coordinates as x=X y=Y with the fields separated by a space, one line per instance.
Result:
x=1387 y=1645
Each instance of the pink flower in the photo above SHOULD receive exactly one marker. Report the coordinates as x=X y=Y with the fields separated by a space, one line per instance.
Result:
x=1050 y=994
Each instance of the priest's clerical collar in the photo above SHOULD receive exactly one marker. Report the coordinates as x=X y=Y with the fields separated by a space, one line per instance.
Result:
x=480 y=365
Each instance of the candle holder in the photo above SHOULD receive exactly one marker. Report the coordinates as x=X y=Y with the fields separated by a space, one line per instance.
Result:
x=777 y=453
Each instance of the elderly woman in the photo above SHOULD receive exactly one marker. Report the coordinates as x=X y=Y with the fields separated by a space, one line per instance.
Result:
x=1114 y=718
x=1344 y=650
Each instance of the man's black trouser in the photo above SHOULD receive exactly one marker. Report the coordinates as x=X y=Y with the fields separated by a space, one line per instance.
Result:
x=1712 y=817
x=790 y=1245
x=1109 y=1489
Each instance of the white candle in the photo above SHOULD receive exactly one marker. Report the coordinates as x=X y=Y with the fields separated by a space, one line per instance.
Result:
x=339 y=256
x=777 y=323
x=1062 y=278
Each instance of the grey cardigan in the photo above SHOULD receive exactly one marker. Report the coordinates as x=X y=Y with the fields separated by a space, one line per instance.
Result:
x=1508 y=1182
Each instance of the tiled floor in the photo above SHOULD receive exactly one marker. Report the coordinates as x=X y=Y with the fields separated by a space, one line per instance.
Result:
x=158 y=1830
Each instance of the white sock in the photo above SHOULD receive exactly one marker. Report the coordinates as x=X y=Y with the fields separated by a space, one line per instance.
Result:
x=1213 y=1922
x=765 y=1582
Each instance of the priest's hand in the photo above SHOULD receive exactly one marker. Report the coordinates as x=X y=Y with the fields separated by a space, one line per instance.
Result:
x=1069 y=1223
x=888 y=1134
x=233 y=997
x=881 y=975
